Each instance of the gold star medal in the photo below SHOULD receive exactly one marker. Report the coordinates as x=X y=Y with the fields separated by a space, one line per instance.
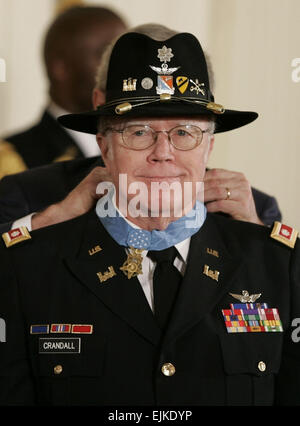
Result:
x=133 y=264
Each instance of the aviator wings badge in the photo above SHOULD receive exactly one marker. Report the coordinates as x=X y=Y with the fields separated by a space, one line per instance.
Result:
x=245 y=297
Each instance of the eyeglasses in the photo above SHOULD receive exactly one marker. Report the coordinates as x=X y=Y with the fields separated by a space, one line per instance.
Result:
x=138 y=137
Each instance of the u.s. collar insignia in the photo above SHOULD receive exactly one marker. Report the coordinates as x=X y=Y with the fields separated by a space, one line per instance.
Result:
x=212 y=252
x=133 y=264
x=285 y=234
x=164 y=79
x=15 y=236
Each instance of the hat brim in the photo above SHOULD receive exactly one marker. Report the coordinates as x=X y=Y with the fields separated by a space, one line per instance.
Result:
x=88 y=122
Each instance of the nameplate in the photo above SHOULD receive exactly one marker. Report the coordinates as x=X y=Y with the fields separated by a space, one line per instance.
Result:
x=59 y=346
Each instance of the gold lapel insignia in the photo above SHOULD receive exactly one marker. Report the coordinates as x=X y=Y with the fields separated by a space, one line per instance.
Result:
x=245 y=297
x=212 y=252
x=15 y=236
x=133 y=264
x=214 y=275
x=107 y=274
x=94 y=250
x=285 y=234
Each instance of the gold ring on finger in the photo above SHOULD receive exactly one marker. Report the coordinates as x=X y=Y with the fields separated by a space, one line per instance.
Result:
x=228 y=194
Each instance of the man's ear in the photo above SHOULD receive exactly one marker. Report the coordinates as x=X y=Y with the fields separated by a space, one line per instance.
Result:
x=98 y=98
x=103 y=146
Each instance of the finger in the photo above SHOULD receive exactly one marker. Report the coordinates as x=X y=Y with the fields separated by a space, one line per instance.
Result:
x=221 y=174
x=232 y=183
x=220 y=193
x=235 y=210
x=226 y=179
x=226 y=206
x=100 y=174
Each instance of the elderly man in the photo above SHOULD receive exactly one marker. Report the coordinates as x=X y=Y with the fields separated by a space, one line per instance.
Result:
x=58 y=192
x=142 y=302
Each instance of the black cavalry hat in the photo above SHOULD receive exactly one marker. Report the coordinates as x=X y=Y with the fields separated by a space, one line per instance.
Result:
x=149 y=78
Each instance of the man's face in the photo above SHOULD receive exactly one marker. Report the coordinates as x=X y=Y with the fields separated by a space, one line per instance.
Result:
x=161 y=162
x=83 y=59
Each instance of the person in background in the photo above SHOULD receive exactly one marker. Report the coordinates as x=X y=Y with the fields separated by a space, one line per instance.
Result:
x=72 y=50
x=10 y=161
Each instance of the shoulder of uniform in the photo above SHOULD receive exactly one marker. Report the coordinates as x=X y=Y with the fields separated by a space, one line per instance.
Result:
x=284 y=234
x=15 y=236
x=10 y=160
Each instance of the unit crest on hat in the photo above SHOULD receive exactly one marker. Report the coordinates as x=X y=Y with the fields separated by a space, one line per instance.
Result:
x=164 y=78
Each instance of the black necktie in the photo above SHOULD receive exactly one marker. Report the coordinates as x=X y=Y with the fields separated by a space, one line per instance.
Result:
x=166 y=281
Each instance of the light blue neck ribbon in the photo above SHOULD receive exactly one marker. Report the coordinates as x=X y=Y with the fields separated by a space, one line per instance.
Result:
x=128 y=236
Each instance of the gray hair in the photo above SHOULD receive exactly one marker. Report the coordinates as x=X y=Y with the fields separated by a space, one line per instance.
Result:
x=156 y=32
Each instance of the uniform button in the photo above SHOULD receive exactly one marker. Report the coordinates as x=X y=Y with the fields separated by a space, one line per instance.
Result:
x=262 y=366
x=58 y=369
x=168 y=369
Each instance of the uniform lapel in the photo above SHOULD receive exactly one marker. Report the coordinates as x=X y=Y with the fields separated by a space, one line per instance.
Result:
x=199 y=293
x=122 y=296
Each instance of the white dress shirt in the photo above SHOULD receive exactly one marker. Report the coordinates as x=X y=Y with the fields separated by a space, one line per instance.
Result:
x=148 y=267
x=23 y=221
x=85 y=141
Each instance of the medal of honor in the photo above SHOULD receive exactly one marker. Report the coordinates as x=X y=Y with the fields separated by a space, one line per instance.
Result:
x=133 y=264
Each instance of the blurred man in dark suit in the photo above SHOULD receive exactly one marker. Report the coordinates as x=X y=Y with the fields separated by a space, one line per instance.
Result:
x=73 y=46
